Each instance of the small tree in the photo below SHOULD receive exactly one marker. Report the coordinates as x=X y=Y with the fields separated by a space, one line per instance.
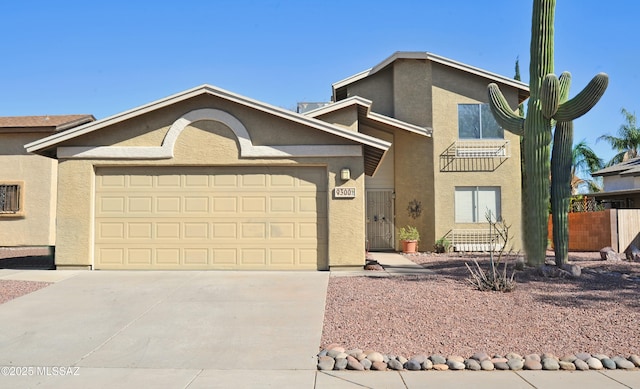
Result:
x=627 y=143
x=584 y=162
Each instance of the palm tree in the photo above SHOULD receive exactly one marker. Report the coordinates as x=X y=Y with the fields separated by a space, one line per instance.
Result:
x=627 y=143
x=584 y=162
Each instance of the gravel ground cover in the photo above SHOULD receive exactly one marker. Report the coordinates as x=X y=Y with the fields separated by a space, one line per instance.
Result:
x=441 y=313
x=11 y=289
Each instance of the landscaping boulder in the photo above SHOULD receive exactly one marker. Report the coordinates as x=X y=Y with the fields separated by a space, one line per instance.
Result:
x=574 y=270
x=609 y=254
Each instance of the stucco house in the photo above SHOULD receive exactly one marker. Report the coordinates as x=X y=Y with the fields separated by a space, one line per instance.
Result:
x=28 y=181
x=208 y=179
x=621 y=185
x=443 y=183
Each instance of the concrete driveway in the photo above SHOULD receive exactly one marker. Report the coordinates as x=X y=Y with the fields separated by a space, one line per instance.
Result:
x=186 y=329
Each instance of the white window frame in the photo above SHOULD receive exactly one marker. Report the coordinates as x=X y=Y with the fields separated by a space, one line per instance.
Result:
x=470 y=205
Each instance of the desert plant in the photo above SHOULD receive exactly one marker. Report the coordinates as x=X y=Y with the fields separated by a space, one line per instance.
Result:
x=442 y=245
x=409 y=233
x=543 y=108
x=494 y=279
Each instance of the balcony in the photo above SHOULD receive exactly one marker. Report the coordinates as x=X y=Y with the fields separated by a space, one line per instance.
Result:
x=475 y=155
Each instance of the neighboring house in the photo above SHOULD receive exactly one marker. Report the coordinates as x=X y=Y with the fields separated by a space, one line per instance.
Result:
x=442 y=181
x=27 y=181
x=208 y=179
x=621 y=185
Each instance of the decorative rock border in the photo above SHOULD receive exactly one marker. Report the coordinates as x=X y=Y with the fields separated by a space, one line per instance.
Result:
x=335 y=357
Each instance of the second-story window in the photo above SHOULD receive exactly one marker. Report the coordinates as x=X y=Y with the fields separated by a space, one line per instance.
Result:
x=475 y=121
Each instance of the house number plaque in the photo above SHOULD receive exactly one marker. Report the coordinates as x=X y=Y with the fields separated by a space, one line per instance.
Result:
x=344 y=193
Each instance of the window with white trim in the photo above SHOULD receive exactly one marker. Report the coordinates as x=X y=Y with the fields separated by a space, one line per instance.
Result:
x=475 y=121
x=11 y=198
x=473 y=202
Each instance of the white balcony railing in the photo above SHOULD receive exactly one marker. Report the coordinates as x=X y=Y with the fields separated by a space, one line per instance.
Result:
x=475 y=240
x=482 y=149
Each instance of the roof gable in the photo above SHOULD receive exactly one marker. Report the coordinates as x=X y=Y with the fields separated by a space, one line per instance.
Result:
x=364 y=112
x=523 y=89
x=374 y=149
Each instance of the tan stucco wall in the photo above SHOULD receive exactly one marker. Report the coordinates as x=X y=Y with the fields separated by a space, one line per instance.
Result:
x=208 y=143
x=379 y=88
x=347 y=118
x=414 y=165
x=427 y=94
x=455 y=87
x=37 y=226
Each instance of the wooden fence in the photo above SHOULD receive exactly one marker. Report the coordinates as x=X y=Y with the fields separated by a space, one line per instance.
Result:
x=591 y=231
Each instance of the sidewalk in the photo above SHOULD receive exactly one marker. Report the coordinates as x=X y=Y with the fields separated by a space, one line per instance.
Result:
x=523 y=379
x=393 y=264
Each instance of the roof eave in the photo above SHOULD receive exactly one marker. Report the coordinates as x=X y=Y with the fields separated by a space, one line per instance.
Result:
x=55 y=139
x=376 y=117
x=522 y=87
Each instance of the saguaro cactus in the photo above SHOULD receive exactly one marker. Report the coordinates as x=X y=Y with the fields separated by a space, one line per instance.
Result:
x=543 y=108
x=561 y=178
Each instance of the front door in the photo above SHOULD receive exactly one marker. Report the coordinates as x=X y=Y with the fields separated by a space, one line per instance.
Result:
x=380 y=233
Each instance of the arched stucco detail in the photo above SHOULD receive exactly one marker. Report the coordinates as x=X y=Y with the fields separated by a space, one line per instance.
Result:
x=216 y=115
x=247 y=148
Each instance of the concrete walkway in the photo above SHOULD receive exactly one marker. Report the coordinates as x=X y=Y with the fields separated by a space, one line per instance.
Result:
x=196 y=329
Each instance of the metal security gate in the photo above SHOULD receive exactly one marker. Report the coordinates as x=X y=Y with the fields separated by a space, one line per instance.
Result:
x=380 y=234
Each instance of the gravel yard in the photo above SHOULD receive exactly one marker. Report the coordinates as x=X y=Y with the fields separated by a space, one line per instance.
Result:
x=441 y=313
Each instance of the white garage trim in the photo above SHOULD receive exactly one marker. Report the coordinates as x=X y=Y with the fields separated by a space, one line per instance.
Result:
x=247 y=148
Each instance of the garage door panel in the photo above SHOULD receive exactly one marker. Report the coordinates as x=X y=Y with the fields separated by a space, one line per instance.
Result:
x=139 y=230
x=197 y=181
x=111 y=205
x=225 y=204
x=168 y=256
x=139 y=256
x=225 y=256
x=254 y=204
x=282 y=230
x=169 y=230
x=253 y=256
x=194 y=256
x=210 y=218
x=279 y=204
x=144 y=182
x=253 y=181
x=140 y=204
x=111 y=181
x=196 y=204
x=253 y=231
x=196 y=230
x=168 y=205
x=224 y=231
x=169 y=181
x=111 y=256
x=111 y=230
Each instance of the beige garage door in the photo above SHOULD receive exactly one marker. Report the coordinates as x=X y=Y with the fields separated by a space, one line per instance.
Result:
x=210 y=218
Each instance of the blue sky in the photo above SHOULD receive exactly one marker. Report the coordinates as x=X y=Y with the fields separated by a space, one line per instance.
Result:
x=102 y=58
